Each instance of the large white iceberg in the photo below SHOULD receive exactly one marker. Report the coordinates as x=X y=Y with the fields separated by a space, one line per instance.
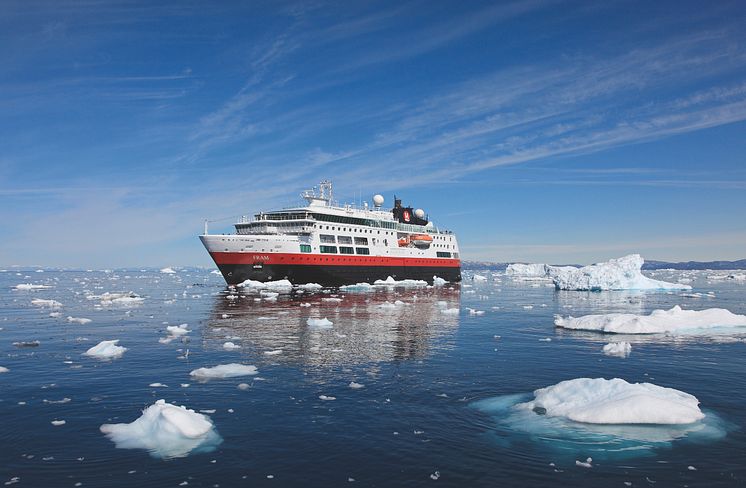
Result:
x=231 y=370
x=602 y=401
x=675 y=320
x=166 y=431
x=533 y=269
x=616 y=274
x=106 y=350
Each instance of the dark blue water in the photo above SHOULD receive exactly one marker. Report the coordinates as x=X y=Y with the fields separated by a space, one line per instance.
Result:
x=413 y=421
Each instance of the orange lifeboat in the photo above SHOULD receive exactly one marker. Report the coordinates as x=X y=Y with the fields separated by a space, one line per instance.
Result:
x=404 y=242
x=421 y=240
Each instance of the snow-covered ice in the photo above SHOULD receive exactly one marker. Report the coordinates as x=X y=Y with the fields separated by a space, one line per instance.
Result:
x=390 y=281
x=231 y=370
x=79 y=320
x=39 y=302
x=437 y=281
x=533 y=269
x=602 y=401
x=310 y=287
x=618 y=349
x=278 y=286
x=166 y=431
x=616 y=274
x=675 y=320
x=106 y=350
x=320 y=323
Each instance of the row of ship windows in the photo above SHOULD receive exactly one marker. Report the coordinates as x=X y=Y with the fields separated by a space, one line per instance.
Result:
x=333 y=249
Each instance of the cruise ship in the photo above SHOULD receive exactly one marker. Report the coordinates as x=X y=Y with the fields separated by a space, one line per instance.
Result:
x=333 y=245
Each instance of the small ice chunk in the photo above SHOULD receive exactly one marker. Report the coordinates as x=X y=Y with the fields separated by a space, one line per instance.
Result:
x=691 y=468
x=477 y=277
x=364 y=287
x=305 y=304
x=327 y=398
x=57 y=423
x=356 y=386
x=106 y=350
x=435 y=475
x=618 y=349
x=437 y=281
x=243 y=386
x=79 y=320
x=320 y=323
x=584 y=464
x=279 y=286
x=450 y=311
x=671 y=321
x=39 y=302
x=30 y=286
x=168 y=271
x=310 y=287
x=177 y=330
x=273 y=353
x=229 y=346
x=3 y=369
x=391 y=282
x=166 y=431
x=231 y=370
x=158 y=385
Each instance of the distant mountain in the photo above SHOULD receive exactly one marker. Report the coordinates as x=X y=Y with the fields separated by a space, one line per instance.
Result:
x=740 y=264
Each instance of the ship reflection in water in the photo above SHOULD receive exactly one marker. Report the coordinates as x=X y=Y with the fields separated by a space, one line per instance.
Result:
x=388 y=324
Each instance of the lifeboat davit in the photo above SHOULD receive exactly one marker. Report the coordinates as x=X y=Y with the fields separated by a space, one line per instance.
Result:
x=421 y=240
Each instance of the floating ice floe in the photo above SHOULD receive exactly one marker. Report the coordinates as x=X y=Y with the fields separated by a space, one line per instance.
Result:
x=278 y=286
x=117 y=299
x=327 y=398
x=229 y=346
x=673 y=321
x=174 y=332
x=231 y=370
x=79 y=320
x=730 y=276
x=450 y=311
x=477 y=277
x=215 y=272
x=58 y=423
x=608 y=419
x=356 y=386
x=358 y=287
x=30 y=286
x=166 y=431
x=531 y=270
x=3 y=369
x=618 y=349
x=320 y=323
x=310 y=287
x=106 y=350
x=275 y=352
x=616 y=274
x=390 y=281
x=168 y=271
x=39 y=302
x=437 y=281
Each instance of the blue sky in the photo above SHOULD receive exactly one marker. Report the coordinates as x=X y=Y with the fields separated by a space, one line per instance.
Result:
x=537 y=130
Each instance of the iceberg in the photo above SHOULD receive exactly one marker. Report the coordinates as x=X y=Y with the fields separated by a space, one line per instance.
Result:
x=278 y=286
x=616 y=274
x=602 y=401
x=618 y=349
x=231 y=370
x=106 y=350
x=166 y=431
x=673 y=321
x=532 y=270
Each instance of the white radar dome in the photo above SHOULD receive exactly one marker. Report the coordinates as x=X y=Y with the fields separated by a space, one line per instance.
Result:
x=419 y=213
x=377 y=200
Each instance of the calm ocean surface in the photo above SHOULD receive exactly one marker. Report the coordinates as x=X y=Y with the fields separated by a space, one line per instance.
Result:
x=414 y=423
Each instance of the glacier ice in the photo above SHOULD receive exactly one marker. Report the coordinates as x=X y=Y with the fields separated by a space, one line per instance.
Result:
x=166 y=431
x=675 y=320
x=106 y=350
x=532 y=270
x=616 y=274
x=231 y=370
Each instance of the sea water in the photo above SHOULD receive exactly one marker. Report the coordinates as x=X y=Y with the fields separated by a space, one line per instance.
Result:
x=387 y=393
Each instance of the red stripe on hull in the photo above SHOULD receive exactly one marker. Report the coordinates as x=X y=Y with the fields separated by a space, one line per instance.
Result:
x=328 y=260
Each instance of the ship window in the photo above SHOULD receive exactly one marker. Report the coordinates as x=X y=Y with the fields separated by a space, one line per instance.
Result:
x=455 y=255
x=361 y=241
x=344 y=239
x=442 y=254
x=328 y=249
x=327 y=239
x=305 y=248
x=346 y=250
x=362 y=250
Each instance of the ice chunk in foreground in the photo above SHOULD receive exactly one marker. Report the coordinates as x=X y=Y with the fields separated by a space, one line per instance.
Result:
x=534 y=269
x=602 y=401
x=168 y=271
x=320 y=323
x=358 y=287
x=229 y=346
x=605 y=419
x=3 y=369
x=310 y=287
x=437 y=281
x=278 y=286
x=166 y=431
x=231 y=370
x=106 y=350
x=616 y=274
x=675 y=320
x=79 y=320
x=618 y=349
